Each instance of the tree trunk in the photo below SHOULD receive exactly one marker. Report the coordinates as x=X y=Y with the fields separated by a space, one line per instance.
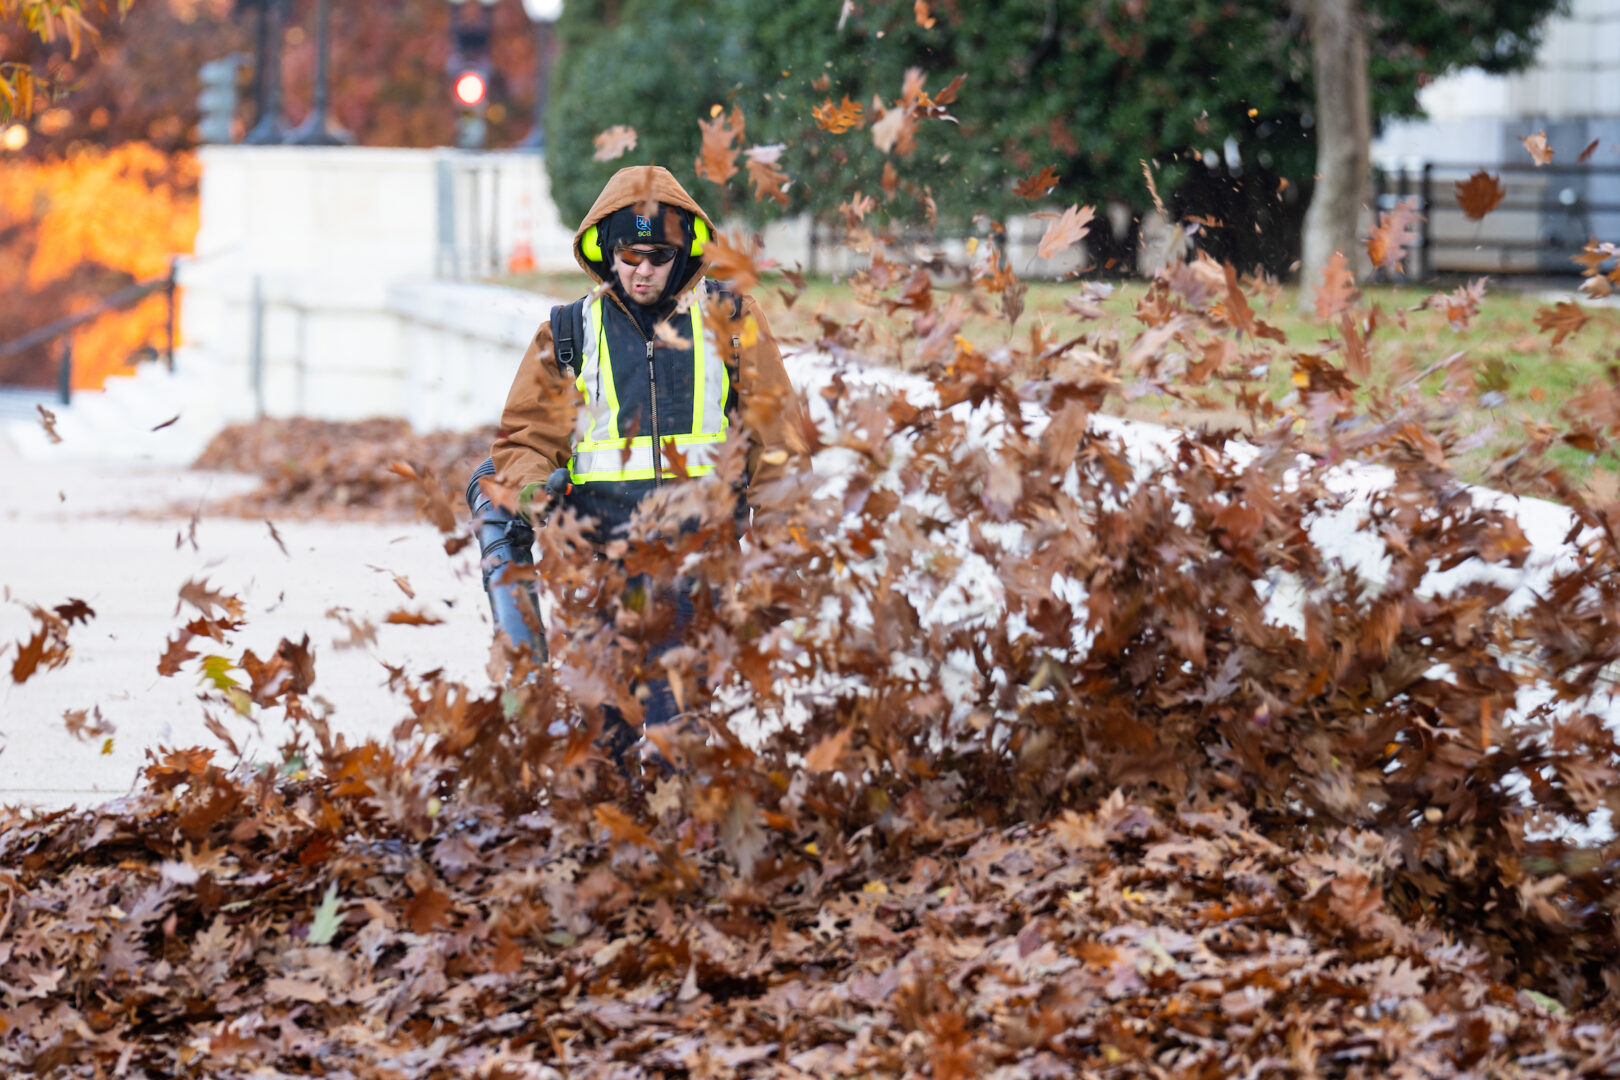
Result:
x=1343 y=136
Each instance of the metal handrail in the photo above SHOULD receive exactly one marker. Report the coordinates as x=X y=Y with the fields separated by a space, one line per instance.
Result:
x=123 y=298
x=129 y=294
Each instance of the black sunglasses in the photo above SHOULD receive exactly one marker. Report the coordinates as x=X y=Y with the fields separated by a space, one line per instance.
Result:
x=658 y=256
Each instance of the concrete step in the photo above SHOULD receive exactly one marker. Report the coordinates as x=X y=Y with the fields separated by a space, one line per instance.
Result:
x=117 y=422
x=19 y=402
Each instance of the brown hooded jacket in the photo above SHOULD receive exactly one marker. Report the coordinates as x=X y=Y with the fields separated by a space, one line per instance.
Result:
x=538 y=423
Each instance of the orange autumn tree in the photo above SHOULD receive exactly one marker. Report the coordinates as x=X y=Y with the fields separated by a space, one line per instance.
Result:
x=83 y=226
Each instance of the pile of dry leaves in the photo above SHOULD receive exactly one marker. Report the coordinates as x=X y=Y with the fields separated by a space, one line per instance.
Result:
x=221 y=926
x=323 y=468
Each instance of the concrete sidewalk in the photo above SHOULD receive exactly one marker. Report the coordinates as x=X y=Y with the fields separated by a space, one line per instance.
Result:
x=109 y=537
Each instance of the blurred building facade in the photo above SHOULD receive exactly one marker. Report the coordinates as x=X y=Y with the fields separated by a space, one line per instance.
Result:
x=1479 y=121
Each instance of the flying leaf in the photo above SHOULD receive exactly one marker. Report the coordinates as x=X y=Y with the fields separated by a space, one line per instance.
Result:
x=175 y=654
x=1153 y=190
x=47 y=420
x=276 y=536
x=215 y=670
x=1479 y=194
x=402 y=617
x=1236 y=312
x=1461 y=304
x=80 y=725
x=1540 y=152
x=722 y=135
x=1561 y=321
x=890 y=180
x=837 y=118
x=1068 y=229
x=729 y=260
x=1338 y=288
x=171 y=420
x=1357 y=357
x=770 y=182
x=615 y=142
x=1037 y=186
x=894 y=129
x=74 y=611
x=29 y=656
x=1586 y=155
x=206 y=600
x=919 y=9
x=1395 y=232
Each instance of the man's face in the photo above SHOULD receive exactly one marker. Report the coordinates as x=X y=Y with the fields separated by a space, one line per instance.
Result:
x=642 y=280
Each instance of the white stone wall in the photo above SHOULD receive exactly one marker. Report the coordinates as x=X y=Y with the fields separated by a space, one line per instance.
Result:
x=460 y=345
x=1572 y=92
x=288 y=302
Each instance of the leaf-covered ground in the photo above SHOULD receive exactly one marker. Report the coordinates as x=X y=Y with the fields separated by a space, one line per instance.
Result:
x=226 y=926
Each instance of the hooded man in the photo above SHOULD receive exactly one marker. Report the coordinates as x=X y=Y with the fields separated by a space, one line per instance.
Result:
x=625 y=383
x=604 y=396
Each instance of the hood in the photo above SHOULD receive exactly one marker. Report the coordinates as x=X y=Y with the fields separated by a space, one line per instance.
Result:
x=628 y=187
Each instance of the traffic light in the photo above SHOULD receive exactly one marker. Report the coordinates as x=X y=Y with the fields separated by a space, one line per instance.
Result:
x=470 y=70
x=217 y=101
x=470 y=89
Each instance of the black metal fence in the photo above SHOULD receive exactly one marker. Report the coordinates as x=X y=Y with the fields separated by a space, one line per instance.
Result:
x=61 y=331
x=1546 y=216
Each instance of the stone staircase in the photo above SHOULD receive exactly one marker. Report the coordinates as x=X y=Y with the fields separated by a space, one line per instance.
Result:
x=123 y=422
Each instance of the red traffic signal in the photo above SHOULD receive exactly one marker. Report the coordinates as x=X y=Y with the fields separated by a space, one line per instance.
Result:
x=470 y=88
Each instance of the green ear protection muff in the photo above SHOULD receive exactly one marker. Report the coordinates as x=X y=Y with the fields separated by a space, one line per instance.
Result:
x=590 y=244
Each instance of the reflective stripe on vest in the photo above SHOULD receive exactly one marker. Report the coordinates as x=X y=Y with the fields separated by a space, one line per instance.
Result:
x=603 y=455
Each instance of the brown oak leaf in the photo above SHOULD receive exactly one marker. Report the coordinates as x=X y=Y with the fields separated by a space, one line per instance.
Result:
x=1395 y=232
x=1562 y=320
x=1037 y=186
x=1461 y=304
x=1479 y=194
x=1337 y=292
x=722 y=135
x=615 y=142
x=1540 y=152
x=428 y=910
x=731 y=261
x=837 y=118
x=770 y=182
x=1068 y=229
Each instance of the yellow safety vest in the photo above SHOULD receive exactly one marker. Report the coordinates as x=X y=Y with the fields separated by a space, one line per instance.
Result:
x=603 y=455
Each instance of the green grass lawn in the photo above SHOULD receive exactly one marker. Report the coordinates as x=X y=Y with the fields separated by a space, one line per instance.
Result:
x=1519 y=377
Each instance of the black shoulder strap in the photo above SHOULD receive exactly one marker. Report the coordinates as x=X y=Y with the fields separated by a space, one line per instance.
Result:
x=567 y=332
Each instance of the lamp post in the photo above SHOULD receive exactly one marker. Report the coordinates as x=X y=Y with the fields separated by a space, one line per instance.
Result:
x=544 y=14
x=313 y=131
x=267 y=132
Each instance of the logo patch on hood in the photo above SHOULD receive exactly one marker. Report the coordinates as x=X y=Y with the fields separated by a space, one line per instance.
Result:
x=643 y=226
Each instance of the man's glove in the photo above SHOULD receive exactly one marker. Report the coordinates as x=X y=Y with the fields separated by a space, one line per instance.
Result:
x=558 y=487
